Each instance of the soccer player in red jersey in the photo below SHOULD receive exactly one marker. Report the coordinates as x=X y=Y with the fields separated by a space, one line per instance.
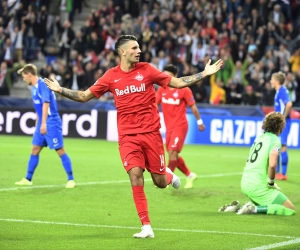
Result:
x=140 y=142
x=174 y=102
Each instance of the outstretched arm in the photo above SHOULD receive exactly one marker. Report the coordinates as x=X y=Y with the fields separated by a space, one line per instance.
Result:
x=75 y=95
x=187 y=81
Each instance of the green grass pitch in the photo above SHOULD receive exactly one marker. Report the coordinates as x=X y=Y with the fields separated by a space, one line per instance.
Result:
x=100 y=214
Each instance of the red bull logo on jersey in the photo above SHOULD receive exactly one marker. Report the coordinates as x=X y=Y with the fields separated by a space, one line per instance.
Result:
x=170 y=101
x=131 y=89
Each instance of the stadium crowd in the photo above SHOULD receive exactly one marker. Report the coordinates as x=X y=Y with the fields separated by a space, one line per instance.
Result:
x=255 y=38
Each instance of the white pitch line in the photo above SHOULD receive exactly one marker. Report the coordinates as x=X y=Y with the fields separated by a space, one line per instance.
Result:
x=138 y=228
x=108 y=182
x=275 y=245
x=63 y=185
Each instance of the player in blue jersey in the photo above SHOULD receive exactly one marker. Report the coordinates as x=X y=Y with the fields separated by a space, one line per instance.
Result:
x=48 y=130
x=283 y=105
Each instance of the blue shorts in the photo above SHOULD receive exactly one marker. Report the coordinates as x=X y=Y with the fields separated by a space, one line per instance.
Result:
x=53 y=138
x=284 y=135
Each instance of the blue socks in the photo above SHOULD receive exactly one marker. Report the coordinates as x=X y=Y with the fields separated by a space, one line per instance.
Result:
x=34 y=160
x=32 y=164
x=67 y=166
x=284 y=162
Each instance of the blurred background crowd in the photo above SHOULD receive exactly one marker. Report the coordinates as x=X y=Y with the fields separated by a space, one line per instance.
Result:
x=255 y=38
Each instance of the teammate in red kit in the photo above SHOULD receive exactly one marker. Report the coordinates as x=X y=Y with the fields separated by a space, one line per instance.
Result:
x=174 y=102
x=140 y=142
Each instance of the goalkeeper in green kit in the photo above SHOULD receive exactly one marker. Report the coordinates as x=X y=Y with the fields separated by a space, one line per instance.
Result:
x=258 y=181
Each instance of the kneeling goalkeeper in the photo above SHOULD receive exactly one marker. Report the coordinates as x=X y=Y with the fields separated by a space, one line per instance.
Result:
x=259 y=173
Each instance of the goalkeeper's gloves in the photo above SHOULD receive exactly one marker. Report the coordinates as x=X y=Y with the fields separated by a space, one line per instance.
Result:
x=272 y=184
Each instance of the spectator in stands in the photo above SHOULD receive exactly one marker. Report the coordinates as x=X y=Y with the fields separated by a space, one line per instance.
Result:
x=276 y=15
x=287 y=40
x=7 y=53
x=292 y=85
x=51 y=53
x=76 y=81
x=217 y=93
x=250 y=97
x=66 y=37
x=79 y=44
x=283 y=56
x=233 y=93
x=89 y=74
x=46 y=71
x=210 y=31
x=53 y=13
x=268 y=95
x=255 y=21
x=95 y=43
x=238 y=74
x=295 y=61
x=198 y=51
x=62 y=72
x=16 y=36
x=228 y=67
x=271 y=45
x=65 y=10
x=41 y=19
x=31 y=35
x=6 y=76
x=270 y=69
x=199 y=92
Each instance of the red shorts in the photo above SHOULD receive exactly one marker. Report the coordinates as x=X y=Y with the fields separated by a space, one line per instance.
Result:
x=175 y=138
x=143 y=150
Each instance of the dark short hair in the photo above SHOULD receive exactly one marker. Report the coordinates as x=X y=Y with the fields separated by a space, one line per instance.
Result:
x=122 y=40
x=171 y=68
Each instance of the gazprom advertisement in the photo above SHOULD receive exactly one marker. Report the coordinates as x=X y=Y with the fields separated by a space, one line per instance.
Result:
x=234 y=130
x=219 y=130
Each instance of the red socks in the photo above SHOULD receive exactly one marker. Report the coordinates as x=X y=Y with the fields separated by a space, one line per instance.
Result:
x=141 y=204
x=182 y=167
x=169 y=177
x=172 y=165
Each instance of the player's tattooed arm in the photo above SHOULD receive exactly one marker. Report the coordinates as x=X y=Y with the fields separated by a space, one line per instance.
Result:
x=193 y=78
x=75 y=95
x=187 y=81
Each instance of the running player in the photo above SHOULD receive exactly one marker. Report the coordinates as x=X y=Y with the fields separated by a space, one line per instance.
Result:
x=174 y=102
x=284 y=106
x=140 y=142
x=258 y=181
x=48 y=130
